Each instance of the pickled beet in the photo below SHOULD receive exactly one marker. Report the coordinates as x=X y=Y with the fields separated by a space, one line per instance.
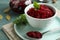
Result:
x=34 y=34
x=43 y=12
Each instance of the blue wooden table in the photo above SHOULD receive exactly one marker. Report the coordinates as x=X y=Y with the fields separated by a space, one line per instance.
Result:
x=3 y=5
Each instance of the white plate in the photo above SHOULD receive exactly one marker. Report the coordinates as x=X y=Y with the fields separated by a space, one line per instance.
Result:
x=21 y=30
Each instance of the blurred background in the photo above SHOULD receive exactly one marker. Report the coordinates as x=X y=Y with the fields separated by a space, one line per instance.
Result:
x=5 y=4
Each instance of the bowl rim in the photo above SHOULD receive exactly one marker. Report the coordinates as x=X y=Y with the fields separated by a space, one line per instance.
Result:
x=50 y=5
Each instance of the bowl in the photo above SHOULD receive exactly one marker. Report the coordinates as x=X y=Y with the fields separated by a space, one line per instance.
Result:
x=39 y=23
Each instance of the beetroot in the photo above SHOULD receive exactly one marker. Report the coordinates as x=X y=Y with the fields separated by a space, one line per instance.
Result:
x=34 y=34
x=17 y=6
x=42 y=13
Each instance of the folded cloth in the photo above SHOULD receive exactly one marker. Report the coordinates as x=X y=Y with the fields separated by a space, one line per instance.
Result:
x=9 y=30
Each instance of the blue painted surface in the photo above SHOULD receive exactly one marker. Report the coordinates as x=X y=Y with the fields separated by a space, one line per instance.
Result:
x=3 y=5
x=3 y=36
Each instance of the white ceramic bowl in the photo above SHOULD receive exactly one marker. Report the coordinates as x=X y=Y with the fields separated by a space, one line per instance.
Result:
x=39 y=23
